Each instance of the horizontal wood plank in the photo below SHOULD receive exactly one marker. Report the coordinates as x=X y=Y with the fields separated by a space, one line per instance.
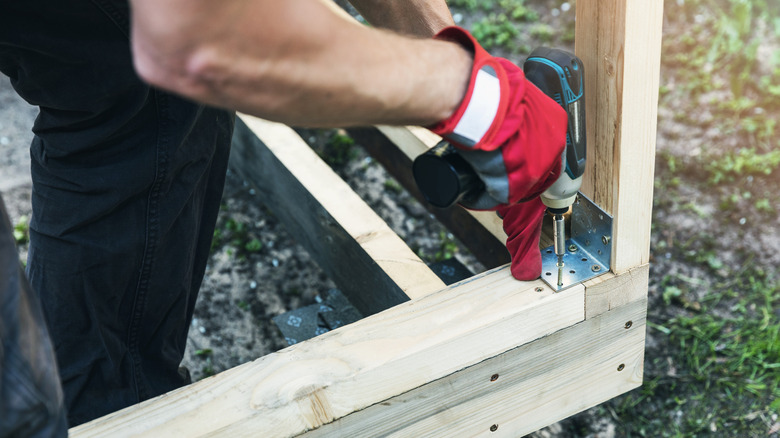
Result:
x=610 y=291
x=519 y=391
x=356 y=248
x=364 y=364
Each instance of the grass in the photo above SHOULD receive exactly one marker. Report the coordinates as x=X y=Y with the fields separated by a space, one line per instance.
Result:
x=238 y=235
x=22 y=231
x=716 y=369
x=722 y=372
x=741 y=163
x=339 y=150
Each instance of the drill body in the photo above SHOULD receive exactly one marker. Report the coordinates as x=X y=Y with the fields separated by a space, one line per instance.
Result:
x=560 y=75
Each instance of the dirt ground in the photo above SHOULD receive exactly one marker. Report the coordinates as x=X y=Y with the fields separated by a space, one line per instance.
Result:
x=695 y=238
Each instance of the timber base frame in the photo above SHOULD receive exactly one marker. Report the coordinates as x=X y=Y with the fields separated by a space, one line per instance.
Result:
x=455 y=363
x=488 y=356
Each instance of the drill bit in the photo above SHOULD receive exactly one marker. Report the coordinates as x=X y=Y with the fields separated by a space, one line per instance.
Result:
x=559 y=241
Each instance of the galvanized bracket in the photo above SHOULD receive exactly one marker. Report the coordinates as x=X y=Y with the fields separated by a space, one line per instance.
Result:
x=588 y=251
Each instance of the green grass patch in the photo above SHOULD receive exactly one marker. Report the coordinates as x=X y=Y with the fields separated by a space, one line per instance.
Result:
x=237 y=234
x=720 y=371
x=746 y=161
x=495 y=30
x=22 y=231
x=340 y=149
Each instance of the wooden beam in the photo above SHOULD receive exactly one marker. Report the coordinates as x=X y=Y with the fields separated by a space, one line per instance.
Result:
x=517 y=392
x=376 y=360
x=356 y=248
x=610 y=291
x=619 y=42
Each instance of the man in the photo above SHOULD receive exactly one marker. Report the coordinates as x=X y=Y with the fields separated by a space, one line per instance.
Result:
x=127 y=178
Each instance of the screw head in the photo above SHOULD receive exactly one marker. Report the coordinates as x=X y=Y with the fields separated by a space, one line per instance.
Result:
x=494 y=377
x=621 y=367
x=595 y=268
x=494 y=428
x=605 y=240
x=572 y=248
x=628 y=324
x=539 y=289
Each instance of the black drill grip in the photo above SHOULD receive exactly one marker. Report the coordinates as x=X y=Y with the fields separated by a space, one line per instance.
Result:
x=444 y=177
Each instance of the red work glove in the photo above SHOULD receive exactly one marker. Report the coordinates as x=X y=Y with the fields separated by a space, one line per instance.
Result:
x=523 y=226
x=510 y=132
x=513 y=136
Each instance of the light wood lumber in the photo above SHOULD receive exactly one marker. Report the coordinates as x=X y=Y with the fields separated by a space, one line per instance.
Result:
x=355 y=247
x=619 y=42
x=367 y=363
x=610 y=291
x=535 y=385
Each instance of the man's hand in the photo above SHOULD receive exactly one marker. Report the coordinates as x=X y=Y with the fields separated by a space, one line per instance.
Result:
x=523 y=227
x=513 y=136
x=507 y=129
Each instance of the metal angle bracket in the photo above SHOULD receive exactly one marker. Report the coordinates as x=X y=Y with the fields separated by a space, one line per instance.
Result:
x=588 y=251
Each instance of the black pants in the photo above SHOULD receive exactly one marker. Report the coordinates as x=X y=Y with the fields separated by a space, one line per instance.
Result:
x=30 y=396
x=127 y=182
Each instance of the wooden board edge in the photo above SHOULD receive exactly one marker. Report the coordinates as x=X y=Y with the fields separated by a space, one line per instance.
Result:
x=610 y=291
x=356 y=248
x=519 y=391
x=356 y=366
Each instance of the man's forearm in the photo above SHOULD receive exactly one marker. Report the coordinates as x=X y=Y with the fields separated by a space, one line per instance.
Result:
x=295 y=61
x=422 y=18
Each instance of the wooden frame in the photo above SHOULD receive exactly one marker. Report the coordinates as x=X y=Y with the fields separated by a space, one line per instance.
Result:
x=488 y=355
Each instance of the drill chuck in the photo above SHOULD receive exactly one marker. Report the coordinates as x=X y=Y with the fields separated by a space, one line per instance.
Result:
x=559 y=234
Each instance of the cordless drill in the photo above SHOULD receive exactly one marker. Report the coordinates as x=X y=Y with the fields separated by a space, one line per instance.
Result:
x=445 y=178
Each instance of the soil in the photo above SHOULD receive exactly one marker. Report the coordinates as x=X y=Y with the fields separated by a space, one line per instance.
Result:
x=244 y=289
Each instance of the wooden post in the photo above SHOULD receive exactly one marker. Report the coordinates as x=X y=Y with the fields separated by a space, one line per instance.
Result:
x=619 y=42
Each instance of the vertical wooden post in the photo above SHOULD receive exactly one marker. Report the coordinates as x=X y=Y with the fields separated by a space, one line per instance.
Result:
x=619 y=41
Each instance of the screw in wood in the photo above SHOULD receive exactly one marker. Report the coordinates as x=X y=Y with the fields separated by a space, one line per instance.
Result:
x=494 y=377
x=539 y=289
x=595 y=268
x=494 y=428
x=629 y=324
x=621 y=367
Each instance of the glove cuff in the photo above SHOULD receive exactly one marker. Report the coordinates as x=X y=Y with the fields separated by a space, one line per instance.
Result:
x=474 y=124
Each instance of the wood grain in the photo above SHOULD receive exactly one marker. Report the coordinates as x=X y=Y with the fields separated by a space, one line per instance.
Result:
x=364 y=364
x=610 y=291
x=355 y=247
x=620 y=46
x=517 y=392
